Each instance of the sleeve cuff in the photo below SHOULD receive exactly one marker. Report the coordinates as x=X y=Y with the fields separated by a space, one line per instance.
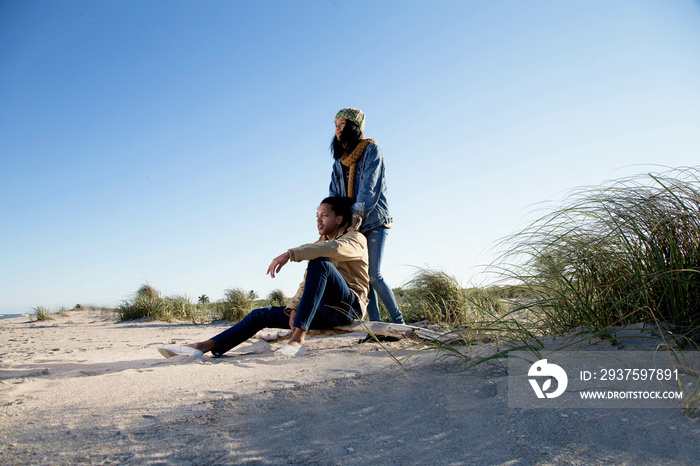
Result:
x=356 y=221
x=358 y=208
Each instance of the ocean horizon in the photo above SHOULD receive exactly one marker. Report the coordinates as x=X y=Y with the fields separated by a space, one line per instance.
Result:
x=10 y=316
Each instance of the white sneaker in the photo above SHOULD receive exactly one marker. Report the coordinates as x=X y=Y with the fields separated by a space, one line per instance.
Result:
x=289 y=350
x=179 y=350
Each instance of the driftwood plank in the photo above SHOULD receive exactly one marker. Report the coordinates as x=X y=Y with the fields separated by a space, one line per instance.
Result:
x=377 y=328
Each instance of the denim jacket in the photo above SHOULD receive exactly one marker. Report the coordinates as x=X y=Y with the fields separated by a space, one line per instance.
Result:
x=370 y=188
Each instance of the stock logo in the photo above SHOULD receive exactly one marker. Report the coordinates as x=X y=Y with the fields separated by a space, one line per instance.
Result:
x=543 y=369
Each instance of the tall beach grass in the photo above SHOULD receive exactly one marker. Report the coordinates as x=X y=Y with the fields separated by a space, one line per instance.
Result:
x=622 y=253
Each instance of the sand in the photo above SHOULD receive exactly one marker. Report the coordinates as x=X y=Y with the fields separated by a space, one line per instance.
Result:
x=88 y=389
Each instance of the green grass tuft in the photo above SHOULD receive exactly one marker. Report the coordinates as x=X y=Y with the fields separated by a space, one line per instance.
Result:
x=436 y=296
x=235 y=305
x=276 y=298
x=42 y=313
x=148 y=303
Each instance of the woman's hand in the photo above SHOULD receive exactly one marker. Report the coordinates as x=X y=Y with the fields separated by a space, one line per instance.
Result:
x=277 y=264
x=292 y=314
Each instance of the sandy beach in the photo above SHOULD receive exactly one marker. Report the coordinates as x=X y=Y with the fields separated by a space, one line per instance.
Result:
x=88 y=389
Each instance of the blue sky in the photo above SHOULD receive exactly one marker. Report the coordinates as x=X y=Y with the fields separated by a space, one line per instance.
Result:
x=185 y=144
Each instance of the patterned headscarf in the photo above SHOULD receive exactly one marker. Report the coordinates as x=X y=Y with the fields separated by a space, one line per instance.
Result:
x=353 y=114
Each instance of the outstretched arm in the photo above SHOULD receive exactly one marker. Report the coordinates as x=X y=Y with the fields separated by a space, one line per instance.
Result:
x=350 y=246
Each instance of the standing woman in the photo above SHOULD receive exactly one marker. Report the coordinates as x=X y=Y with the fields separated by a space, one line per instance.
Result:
x=358 y=172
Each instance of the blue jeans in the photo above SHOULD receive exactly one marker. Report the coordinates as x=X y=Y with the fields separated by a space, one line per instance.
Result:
x=327 y=302
x=375 y=249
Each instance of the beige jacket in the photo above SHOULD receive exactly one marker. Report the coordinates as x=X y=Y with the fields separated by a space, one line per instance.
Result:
x=348 y=253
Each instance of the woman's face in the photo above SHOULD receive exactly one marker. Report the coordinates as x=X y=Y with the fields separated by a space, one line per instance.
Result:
x=339 y=126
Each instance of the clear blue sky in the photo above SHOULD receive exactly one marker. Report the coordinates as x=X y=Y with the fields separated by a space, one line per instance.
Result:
x=185 y=143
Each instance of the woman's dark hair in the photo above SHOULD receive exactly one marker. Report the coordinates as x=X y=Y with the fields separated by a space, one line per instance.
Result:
x=340 y=206
x=351 y=135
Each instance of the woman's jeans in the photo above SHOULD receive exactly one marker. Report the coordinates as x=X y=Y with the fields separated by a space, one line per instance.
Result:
x=375 y=249
x=326 y=302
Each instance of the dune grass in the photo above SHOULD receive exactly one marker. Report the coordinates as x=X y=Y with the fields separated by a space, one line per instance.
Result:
x=436 y=296
x=63 y=312
x=613 y=255
x=42 y=313
x=235 y=305
x=276 y=298
x=148 y=303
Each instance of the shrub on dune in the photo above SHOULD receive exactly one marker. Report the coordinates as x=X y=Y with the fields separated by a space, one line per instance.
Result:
x=235 y=305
